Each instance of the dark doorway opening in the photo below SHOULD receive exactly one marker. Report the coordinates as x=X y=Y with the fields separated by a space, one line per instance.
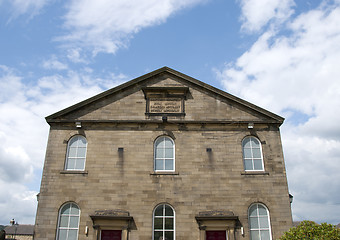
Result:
x=111 y=235
x=216 y=235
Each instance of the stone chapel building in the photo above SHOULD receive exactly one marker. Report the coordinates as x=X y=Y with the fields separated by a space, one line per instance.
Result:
x=163 y=157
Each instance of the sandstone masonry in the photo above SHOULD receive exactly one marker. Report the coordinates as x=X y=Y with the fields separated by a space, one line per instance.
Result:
x=205 y=181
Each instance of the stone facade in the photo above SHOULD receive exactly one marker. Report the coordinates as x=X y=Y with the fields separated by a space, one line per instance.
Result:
x=119 y=189
x=19 y=237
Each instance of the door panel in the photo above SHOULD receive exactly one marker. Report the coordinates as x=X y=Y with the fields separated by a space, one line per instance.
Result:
x=111 y=235
x=216 y=235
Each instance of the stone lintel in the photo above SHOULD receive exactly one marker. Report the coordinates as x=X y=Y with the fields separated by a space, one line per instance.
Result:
x=110 y=213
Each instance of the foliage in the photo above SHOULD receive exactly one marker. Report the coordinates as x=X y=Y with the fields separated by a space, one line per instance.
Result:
x=308 y=230
x=2 y=235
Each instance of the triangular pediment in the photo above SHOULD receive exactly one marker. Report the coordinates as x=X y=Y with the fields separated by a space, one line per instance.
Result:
x=165 y=92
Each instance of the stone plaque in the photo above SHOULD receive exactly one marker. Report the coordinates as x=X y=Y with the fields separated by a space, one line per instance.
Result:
x=165 y=105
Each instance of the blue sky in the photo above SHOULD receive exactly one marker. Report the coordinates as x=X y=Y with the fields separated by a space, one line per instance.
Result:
x=282 y=55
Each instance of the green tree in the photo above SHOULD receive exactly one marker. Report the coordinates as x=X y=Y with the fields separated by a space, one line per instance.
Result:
x=308 y=230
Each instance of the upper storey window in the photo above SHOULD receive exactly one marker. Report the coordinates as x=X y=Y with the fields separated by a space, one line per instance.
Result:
x=76 y=153
x=252 y=154
x=164 y=156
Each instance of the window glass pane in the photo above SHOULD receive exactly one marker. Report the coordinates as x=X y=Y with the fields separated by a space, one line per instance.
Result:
x=70 y=163
x=265 y=235
x=253 y=211
x=164 y=222
x=62 y=234
x=159 y=153
x=169 y=235
x=254 y=222
x=157 y=235
x=257 y=153
x=72 y=234
x=247 y=153
x=74 y=210
x=73 y=142
x=67 y=220
x=255 y=142
x=159 y=165
x=168 y=211
x=248 y=164
x=81 y=152
x=65 y=209
x=158 y=223
x=169 y=164
x=169 y=223
x=246 y=143
x=264 y=222
x=63 y=221
x=168 y=143
x=255 y=235
x=74 y=221
x=262 y=210
x=159 y=211
x=80 y=164
x=72 y=152
x=81 y=142
x=258 y=164
x=169 y=153
x=159 y=143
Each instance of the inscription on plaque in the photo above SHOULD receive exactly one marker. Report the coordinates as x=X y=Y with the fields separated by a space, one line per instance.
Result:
x=168 y=105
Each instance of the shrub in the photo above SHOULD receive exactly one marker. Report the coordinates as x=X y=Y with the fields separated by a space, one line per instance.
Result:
x=309 y=230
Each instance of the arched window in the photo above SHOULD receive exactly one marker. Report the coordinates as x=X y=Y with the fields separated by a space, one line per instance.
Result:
x=68 y=222
x=164 y=156
x=252 y=154
x=76 y=153
x=259 y=222
x=164 y=223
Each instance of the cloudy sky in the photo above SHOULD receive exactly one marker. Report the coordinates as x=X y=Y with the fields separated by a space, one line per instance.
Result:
x=282 y=55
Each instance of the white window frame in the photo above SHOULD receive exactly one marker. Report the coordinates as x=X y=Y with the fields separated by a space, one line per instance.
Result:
x=163 y=230
x=258 y=222
x=163 y=159
x=68 y=152
x=69 y=216
x=252 y=158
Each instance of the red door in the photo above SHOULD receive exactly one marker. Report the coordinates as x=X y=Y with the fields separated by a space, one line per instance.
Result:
x=111 y=235
x=216 y=235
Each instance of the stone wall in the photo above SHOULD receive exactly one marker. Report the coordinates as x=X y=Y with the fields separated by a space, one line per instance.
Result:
x=209 y=173
x=202 y=180
x=19 y=237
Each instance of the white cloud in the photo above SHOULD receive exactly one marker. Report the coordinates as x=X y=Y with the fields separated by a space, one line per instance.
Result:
x=106 y=25
x=75 y=55
x=23 y=130
x=298 y=74
x=312 y=166
x=30 y=7
x=15 y=163
x=307 y=210
x=54 y=63
x=17 y=202
x=257 y=13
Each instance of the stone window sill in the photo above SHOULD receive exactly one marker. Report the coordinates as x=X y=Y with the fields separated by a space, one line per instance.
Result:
x=73 y=172
x=163 y=173
x=254 y=173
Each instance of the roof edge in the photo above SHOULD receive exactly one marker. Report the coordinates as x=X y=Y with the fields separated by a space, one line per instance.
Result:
x=192 y=80
x=106 y=93
x=227 y=95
